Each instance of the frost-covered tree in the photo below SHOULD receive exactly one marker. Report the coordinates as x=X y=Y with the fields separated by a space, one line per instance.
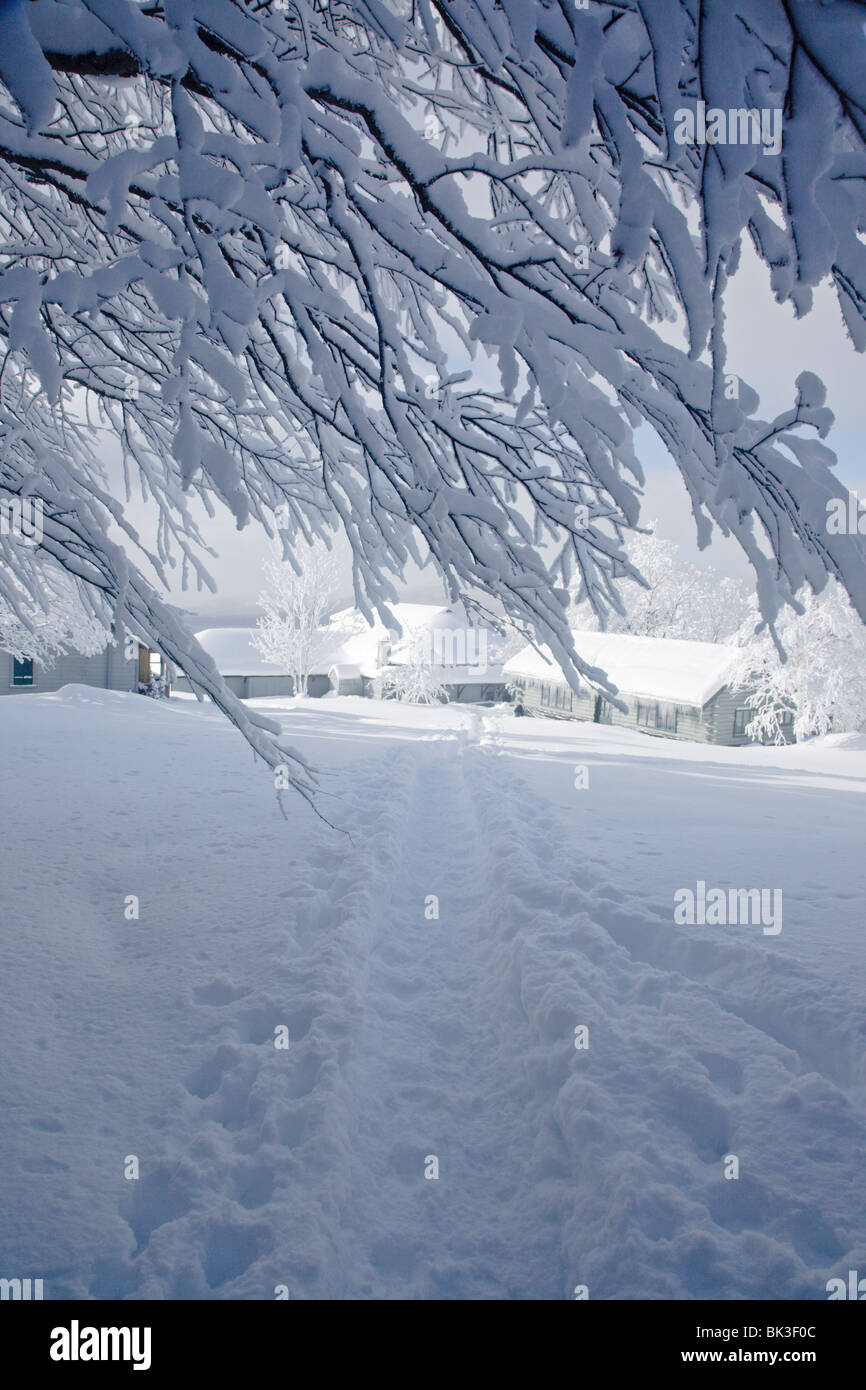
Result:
x=48 y=620
x=256 y=242
x=299 y=593
x=675 y=598
x=821 y=685
x=412 y=674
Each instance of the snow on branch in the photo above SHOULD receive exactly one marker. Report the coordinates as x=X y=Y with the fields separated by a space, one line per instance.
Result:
x=410 y=272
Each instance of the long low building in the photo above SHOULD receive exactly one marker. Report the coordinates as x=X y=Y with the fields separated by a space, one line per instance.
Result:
x=352 y=657
x=126 y=665
x=244 y=669
x=672 y=688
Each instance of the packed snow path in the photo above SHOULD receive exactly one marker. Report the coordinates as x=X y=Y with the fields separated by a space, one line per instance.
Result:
x=431 y=1131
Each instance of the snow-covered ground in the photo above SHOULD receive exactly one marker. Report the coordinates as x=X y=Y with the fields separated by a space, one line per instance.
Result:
x=411 y=1035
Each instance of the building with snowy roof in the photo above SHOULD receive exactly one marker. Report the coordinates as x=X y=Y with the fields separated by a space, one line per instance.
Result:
x=354 y=657
x=126 y=665
x=244 y=669
x=673 y=688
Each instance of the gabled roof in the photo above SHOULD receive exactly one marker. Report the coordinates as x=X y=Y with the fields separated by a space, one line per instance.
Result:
x=654 y=668
x=233 y=651
x=349 y=641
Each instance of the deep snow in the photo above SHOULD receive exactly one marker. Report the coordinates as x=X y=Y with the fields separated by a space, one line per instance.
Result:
x=410 y=1036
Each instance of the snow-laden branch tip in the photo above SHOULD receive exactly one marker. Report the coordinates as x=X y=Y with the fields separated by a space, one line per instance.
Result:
x=264 y=246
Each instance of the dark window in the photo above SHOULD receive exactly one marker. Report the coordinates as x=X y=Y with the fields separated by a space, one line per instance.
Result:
x=786 y=718
x=22 y=672
x=741 y=719
x=557 y=697
x=657 y=717
x=666 y=718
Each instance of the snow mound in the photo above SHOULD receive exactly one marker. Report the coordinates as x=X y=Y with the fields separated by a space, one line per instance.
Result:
x=75 y=694
x=850 y=742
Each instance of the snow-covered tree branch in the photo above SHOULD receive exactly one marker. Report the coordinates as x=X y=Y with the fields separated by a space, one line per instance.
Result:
x=48 y=620
x=676 y=598
x=245 y=238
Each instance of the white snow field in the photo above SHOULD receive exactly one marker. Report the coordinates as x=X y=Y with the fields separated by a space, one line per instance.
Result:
x=412 y=1036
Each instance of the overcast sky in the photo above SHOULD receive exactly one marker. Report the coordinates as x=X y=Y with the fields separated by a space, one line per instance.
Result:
x=767 y=347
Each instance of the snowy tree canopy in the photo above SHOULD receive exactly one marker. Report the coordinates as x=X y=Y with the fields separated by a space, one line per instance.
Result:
x=676 y=598
x=253 y=240
x=821 y=685
x=296 y=600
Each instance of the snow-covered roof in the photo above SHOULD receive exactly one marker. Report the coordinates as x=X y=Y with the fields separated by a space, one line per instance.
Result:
x=233 y=651
x=656 y=668
x=349 y=642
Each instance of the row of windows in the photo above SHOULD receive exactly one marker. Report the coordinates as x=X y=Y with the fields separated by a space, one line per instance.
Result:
x=649 y=715
x=742 y=717
x=557 y=697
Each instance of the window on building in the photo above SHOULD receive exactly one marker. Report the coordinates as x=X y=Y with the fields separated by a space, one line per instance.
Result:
x=657 y=716
x=741 y=719
x=666 y=718
x=22 y=672
x=557 y=697
x=603 y=712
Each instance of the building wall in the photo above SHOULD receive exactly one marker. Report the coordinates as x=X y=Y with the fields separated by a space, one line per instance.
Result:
x=720 y=714
x=347 y=685
x=713 y=724
x=582 y=705
x=471 y=694
x=261 y=687
x=109 y=670
x=692 y=725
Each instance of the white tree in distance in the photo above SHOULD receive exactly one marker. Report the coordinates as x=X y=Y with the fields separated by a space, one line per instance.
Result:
x=298 y=595
x=233 y=235
x=676 y=599
x=821 y=685
x=415 y=676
